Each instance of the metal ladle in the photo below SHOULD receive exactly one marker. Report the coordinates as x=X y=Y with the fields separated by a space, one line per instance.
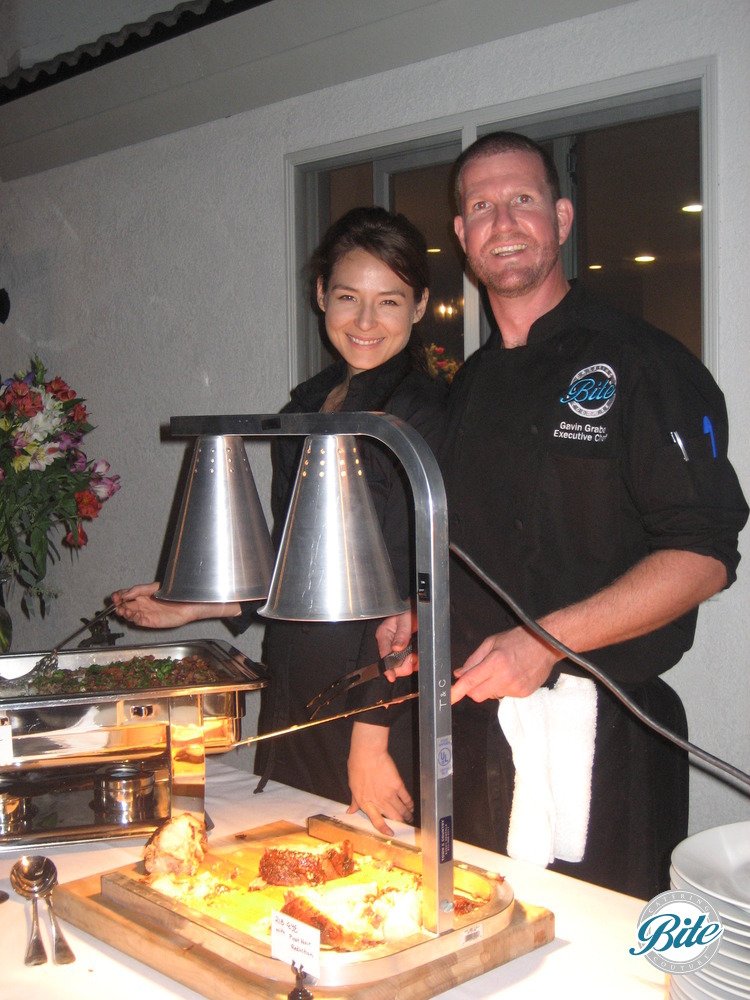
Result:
x=32 y=877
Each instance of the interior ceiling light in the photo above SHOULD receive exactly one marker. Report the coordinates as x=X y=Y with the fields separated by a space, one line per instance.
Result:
x=692 y=207
x=644 y=258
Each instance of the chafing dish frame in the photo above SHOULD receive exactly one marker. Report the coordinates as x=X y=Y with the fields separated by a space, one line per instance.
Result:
x=169 y=729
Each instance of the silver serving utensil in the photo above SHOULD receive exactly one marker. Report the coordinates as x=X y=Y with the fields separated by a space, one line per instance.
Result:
x=35 y=952
x=322 y=722
x=342 y=685
x=37 y=876
x=49 y=661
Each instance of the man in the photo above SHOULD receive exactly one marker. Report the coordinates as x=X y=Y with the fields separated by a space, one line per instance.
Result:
x=586 y=471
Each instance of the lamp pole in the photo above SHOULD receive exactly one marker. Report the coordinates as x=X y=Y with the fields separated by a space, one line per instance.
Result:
x=432 y=601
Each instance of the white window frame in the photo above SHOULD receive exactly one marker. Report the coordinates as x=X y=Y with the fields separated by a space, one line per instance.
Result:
x=638 y=95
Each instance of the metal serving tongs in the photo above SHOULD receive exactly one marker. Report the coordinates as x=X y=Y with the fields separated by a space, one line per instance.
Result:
x=356 y=677
x=49 y=661
x=386 y=703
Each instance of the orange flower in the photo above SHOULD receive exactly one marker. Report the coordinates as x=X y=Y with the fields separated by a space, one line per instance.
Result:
x=88 y=504
x=60 y=389
x=76 y=538
x=79 y=414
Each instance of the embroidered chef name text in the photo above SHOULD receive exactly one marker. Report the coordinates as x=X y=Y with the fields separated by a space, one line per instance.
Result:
x=580 y=432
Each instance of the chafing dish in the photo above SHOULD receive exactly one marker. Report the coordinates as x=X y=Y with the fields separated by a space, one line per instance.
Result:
x=98 y=765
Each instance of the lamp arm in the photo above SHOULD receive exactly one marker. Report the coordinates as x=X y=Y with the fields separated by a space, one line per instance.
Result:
x=431 y=552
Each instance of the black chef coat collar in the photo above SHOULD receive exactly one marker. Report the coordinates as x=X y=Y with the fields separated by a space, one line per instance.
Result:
x=548 y=324
x=369 y=390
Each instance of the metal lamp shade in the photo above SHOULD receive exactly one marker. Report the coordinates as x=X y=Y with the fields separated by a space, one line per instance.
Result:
x=222 y=548
x=332 y=563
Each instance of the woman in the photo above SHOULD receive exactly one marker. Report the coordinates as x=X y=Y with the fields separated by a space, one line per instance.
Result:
x=369 y=278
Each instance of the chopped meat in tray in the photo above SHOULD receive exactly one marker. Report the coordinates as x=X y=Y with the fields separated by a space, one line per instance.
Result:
x=136 y=673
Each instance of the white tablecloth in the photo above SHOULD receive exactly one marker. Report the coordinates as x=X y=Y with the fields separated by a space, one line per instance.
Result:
x=589 y=957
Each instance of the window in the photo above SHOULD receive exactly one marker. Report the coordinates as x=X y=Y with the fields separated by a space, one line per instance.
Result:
x=631 y=166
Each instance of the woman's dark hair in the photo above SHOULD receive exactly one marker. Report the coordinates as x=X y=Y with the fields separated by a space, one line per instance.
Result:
x=391 y=238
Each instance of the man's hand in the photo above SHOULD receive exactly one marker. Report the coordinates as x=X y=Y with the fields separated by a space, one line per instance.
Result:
x=394 y=634
x=513 y=663
x=376 y=785
x=658 y=589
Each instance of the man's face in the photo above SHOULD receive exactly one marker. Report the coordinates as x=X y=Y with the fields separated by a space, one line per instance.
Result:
x=510 y=227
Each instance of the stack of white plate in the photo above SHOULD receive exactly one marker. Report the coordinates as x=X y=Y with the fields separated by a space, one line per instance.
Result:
x=715 y=864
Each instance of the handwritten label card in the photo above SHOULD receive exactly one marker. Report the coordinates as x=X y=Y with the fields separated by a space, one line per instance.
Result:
x=293 y=941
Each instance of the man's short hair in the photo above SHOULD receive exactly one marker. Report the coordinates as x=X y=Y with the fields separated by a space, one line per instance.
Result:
x=504 y=142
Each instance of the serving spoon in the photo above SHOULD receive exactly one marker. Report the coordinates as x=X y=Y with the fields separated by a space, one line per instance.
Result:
x=35 y=952
x=33 y=877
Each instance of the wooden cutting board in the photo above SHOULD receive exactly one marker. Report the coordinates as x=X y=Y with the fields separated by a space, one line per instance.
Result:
x=220 y=967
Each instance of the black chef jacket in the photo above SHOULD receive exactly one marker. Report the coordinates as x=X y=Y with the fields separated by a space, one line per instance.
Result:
x=567 y=461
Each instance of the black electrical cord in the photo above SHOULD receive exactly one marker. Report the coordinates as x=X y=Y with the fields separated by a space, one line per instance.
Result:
x=589 y=667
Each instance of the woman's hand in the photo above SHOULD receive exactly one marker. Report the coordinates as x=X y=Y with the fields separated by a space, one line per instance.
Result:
x=376 y=785
x=138 y=605
x=394 y=634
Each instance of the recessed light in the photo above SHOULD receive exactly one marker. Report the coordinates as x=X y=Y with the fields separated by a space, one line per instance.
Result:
x=644 y=258
x=595 y=267
x=693 y=207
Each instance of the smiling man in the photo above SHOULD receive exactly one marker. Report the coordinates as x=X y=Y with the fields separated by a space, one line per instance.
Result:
x=580 y=478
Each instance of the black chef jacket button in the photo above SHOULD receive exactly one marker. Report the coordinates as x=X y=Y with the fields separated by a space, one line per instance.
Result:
x=518 y=523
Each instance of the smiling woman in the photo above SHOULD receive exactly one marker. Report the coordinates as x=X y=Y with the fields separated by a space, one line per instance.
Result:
x=369 y=277
x=369 y=310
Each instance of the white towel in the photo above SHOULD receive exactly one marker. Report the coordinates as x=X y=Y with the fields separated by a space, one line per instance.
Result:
x=552 y=734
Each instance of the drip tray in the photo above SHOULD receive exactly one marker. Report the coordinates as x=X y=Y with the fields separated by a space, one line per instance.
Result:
x=66 y=805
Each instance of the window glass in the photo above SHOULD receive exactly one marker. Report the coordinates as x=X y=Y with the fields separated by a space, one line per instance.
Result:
x=633 y=182
x=348 y=187
x=424 y=197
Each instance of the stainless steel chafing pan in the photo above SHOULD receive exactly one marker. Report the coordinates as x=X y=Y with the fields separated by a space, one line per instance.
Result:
x=109 y=764
x=48 y=730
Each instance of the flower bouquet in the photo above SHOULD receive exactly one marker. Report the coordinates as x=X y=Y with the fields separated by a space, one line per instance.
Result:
x=48 y=487
x=441 y=364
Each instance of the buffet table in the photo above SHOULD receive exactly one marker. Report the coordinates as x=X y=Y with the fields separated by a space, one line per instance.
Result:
x=589 y=956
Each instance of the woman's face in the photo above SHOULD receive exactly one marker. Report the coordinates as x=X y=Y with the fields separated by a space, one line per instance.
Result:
x=369 y=310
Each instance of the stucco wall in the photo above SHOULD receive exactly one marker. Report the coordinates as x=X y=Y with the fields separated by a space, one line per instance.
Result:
x=153 y=278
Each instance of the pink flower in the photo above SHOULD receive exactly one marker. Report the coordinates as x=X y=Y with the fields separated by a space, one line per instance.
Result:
x=67 y=442
x=105 y=486
x=78 y=460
